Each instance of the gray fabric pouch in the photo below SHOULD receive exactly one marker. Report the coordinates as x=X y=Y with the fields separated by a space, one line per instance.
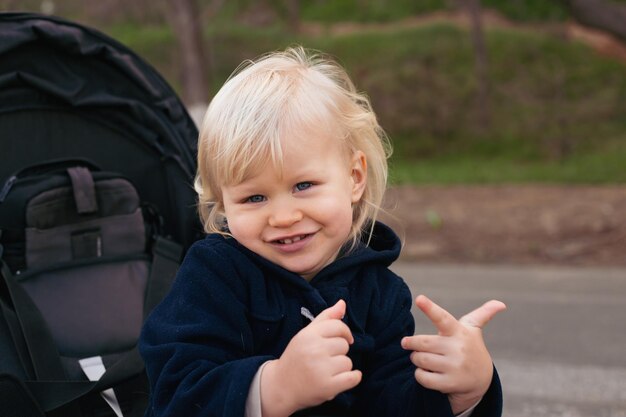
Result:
x=87 y=267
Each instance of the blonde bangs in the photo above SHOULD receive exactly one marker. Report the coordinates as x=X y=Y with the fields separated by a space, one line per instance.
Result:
x=235 y=164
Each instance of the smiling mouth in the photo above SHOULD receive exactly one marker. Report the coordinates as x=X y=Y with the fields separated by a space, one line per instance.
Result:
x=289 y=241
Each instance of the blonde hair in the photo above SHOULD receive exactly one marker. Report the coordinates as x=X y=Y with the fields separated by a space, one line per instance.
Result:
x=279 y=94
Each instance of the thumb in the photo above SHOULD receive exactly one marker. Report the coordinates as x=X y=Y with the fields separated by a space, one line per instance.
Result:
x=335 y=312
x=483 y=314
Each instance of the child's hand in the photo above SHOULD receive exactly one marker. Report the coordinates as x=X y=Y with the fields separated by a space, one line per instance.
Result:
x=455 y=362
x=313 y=368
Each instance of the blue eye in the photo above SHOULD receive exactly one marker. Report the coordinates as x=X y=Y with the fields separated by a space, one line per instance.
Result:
x=301 y=186
x=255 y=199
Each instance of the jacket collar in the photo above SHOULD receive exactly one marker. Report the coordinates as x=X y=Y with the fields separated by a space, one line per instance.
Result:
x=382 y=248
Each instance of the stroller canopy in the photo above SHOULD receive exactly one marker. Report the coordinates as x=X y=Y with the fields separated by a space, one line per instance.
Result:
x=67 y=91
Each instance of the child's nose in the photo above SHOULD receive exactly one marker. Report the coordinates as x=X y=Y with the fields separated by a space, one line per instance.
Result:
x=284 y=214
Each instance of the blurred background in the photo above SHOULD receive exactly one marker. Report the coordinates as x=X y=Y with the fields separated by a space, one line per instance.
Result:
x=508 y=177
x=507 y=117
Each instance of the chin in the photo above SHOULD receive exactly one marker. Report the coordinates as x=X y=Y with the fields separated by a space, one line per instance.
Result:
x=298 y=269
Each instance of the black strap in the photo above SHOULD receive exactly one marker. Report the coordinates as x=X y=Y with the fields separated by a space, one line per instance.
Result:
x=34 y=344
x=165 y=261
x=16 y=337
x=51 y=389
x=16 y=400
x=54 y=394
x=84 y=190
x=39 y=342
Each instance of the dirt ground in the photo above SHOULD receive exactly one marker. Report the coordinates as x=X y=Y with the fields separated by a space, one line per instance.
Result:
x=558 y=225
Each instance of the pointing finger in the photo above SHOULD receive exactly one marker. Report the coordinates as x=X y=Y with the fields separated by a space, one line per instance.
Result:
x=426 y=343
x=483 y=314
x=335 y=312
x=445 y=322
x=329 y=322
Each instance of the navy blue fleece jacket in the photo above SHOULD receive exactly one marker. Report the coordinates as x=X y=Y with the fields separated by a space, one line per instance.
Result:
x=229 y=310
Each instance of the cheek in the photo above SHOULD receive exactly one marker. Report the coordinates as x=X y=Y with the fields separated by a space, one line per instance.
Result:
x=336 y=203
x=245 y=234
x=239 y=224
x=336 y=211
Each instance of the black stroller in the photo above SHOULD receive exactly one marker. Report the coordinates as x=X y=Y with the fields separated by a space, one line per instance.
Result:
x=96 y=208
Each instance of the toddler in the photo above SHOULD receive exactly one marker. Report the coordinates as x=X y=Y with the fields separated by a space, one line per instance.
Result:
x=288 y=306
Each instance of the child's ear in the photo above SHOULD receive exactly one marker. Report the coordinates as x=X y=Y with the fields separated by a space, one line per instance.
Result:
x=359 y=175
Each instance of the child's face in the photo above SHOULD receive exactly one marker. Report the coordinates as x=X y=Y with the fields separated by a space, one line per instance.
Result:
x=299 y=216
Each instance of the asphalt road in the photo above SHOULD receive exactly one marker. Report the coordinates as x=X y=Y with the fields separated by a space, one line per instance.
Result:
x=560 y=347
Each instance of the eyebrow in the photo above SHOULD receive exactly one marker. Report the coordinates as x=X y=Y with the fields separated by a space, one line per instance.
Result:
x=244 y=188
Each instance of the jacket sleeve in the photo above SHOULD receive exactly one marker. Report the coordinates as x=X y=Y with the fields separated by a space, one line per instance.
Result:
x=389 y=387
x=197 y=344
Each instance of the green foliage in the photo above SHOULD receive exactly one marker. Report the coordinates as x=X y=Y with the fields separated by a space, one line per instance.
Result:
x=529 y=10
x=367 y=10
x=597 y=167
x=383 y=10
x=155 y=44
x=557 y=107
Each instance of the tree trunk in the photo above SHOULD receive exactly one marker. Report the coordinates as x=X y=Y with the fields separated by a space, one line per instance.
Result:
x=184 y=19
x=606 y=15
x=481 y=62
x=293 y=15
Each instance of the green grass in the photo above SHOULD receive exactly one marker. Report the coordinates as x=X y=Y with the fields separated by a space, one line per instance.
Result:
x=558 y=109
x=367 y=11
x=381 y=11
x=529 y=10
x=592 y=168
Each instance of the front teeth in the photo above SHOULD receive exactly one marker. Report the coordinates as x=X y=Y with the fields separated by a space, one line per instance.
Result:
x=290 y=241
